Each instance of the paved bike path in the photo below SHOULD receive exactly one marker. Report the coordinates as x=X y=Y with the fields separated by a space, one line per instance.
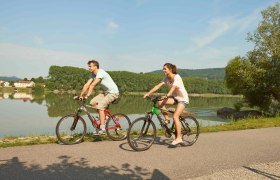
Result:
x=213 y=152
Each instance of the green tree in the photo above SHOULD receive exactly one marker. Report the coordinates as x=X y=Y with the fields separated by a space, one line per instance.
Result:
x=257 y=75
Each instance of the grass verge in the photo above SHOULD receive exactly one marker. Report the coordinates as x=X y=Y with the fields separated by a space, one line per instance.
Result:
x=251 y=123
x=232 y=126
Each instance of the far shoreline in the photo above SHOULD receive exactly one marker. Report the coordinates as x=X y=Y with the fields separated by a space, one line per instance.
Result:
x=61 y=91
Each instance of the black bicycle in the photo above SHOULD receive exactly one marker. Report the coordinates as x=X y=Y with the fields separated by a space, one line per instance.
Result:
x=142 y=132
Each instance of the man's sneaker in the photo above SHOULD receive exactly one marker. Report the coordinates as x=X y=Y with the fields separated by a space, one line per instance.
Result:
x=176 y=141
x=99 y=132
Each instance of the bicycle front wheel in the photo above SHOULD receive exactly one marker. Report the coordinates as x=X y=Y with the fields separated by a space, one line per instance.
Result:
x=190 y=129
x=141 y=134
x=71 y=129
x=117 y=126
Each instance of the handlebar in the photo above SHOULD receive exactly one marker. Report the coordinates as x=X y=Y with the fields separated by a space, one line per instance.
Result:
x=158 y=98
x=82 y=101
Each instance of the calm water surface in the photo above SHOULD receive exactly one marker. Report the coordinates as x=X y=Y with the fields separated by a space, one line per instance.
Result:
x=29 y=114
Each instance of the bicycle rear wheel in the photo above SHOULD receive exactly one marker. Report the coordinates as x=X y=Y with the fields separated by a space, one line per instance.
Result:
x=190 y=129
x=141 y=134
x=117 y=126
x=71 y=129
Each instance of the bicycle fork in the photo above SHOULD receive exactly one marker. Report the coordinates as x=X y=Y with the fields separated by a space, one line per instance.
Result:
x=143 y=131
x=74 y=124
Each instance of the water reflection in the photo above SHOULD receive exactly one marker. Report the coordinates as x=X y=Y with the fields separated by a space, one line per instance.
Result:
x=23 y=113
x=17 y=96
x=61 y=104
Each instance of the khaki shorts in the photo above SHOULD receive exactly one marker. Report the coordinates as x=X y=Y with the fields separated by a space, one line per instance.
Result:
x=102 y=101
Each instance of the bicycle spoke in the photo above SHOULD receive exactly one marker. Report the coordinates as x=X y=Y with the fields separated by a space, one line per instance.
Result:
x=70 y=129
x=141 y=134
x=190 y=130
x=117 y=126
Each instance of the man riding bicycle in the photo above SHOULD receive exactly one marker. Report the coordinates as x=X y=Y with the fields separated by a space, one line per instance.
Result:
x=110 y=91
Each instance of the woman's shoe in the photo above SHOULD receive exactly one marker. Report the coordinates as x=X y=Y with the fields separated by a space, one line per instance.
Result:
x=176 y=141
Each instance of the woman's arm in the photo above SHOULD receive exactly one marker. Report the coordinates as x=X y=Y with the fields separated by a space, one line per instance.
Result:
x=154 y=89
x=172 y=89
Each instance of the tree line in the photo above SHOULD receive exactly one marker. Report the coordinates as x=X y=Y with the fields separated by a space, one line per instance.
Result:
x=73 y=78
x=257 y=75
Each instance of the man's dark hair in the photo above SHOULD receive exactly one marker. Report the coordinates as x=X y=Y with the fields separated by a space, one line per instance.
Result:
x=96 y=63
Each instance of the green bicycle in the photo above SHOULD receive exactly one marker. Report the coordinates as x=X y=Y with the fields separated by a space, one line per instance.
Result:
x=142 y=132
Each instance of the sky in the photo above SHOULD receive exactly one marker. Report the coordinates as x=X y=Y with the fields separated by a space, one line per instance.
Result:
x=124 y=35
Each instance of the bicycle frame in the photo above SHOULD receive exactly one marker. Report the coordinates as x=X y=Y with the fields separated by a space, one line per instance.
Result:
x=93 y=120
x=157 y=111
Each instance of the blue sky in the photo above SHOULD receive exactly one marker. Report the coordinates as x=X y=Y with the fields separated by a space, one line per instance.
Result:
x=130 y=35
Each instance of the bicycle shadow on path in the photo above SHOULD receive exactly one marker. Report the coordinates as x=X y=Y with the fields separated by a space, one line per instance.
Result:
x=66 y=169
x=158 y=141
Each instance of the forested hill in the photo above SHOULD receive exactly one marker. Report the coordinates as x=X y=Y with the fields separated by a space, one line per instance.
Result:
x=12 y=78
x=74 y=78
x=209 y=73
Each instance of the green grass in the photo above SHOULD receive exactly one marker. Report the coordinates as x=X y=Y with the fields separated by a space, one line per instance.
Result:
x=23 y=141
x=252 y=123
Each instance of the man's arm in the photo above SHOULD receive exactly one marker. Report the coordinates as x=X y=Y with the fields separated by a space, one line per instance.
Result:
x=86 y=86
x=92 y=86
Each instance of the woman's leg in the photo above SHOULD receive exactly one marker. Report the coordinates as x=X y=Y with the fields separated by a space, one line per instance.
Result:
x=179 y=109
x=162 y=103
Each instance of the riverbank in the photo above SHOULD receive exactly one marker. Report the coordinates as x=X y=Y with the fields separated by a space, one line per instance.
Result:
x=190 y=94
x=29 y=90
x=232 y=126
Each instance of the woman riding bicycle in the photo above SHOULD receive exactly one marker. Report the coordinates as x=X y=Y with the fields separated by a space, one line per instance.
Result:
x=177 y=95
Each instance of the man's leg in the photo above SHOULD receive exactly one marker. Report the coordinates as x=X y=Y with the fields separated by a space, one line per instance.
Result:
x=95 y=102
x=102 y=105
x=102 y=119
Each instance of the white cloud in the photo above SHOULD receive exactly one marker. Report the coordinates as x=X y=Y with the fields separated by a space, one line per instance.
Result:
x=138 y=62
x=209 y=57
x=38 y=41
x=112 y=26
x=249 y=21
x=22 y=61
x=219 y=26
x=29 y=62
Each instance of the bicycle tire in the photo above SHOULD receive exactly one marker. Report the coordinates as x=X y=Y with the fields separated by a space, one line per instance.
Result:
x=64 y=133
x=141 y=134
x=190 y=130
x=113 y=131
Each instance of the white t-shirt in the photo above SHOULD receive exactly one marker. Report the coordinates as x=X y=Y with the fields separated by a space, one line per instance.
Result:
x=107 y=84
x=180 y=92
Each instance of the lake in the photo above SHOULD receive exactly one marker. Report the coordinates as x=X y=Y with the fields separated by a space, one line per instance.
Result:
x=37 y=114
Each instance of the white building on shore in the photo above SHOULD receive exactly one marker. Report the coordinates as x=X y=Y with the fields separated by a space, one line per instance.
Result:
x=25 y=84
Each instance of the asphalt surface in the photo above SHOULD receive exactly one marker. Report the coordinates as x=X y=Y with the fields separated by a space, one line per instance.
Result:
x=213 y=156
